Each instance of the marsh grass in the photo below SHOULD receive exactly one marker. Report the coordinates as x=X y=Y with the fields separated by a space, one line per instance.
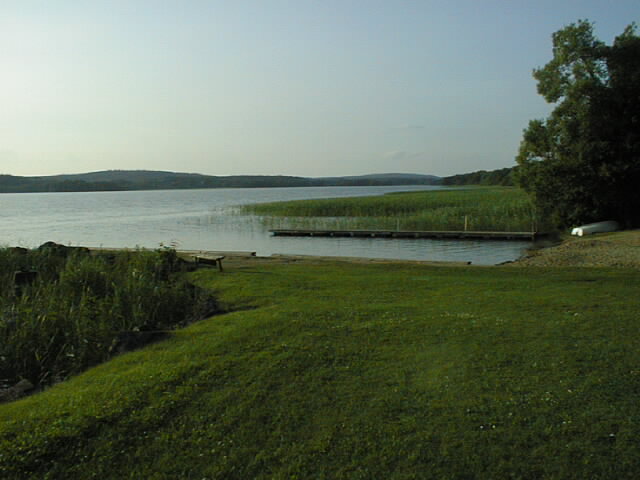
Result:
x=482 y=209
x=73 y=315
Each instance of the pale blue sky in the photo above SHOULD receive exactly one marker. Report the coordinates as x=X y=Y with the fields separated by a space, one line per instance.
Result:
x=311 y=88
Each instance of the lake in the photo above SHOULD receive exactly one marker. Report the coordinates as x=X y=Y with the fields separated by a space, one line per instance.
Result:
x=205 y=220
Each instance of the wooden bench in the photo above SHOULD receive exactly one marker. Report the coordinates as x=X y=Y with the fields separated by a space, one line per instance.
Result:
x=210 y=260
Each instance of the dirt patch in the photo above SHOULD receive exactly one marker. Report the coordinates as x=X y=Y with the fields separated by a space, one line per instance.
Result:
x=240 y=261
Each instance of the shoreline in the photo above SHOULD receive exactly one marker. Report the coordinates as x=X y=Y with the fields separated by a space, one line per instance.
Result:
x=614 y=249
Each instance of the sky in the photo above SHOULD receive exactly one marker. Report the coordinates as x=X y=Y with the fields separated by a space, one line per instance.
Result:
x=275 y=87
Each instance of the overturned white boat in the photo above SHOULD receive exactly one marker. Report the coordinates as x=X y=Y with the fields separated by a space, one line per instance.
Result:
x=598 y=227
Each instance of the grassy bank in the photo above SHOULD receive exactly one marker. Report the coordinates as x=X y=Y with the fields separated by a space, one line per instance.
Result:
x=485 y=209
x=337 y=370
x=616 y=249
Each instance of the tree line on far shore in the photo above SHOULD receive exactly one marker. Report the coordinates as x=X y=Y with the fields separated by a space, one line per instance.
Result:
x=120 y=180
x=501 y=176
x=171 y=180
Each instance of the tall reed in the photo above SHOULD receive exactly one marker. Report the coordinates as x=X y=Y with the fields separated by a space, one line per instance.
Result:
x=76 y=311
x=485 y=209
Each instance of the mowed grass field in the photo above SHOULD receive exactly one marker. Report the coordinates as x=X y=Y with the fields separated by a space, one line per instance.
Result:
x=331 y=370
x=504 y=209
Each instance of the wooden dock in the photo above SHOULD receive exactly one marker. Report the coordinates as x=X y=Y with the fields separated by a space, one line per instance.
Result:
x=454 y=235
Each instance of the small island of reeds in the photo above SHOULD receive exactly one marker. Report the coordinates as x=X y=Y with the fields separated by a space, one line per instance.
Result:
x=502 y=209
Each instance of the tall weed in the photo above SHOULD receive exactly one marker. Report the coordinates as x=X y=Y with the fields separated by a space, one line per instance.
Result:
x=80 y=307
x=480 y=209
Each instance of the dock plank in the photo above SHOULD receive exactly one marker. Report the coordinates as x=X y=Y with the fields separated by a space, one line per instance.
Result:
x=472 y=235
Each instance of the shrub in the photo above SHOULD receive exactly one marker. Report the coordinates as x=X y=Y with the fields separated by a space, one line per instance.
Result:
x=83 y=308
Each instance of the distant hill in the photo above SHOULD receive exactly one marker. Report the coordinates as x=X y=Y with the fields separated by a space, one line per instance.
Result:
x=116 y=180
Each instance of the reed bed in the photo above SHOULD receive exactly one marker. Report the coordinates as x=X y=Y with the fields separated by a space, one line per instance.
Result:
x=480 y=209
x=81 y=309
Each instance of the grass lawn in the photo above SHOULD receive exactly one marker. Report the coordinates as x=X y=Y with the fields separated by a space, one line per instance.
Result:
x=360 y=371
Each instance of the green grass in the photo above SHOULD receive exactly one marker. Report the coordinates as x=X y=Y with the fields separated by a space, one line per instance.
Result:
x=342 y=370
x=485 y=209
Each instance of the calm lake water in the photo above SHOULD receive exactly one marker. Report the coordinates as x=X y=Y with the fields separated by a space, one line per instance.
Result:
x=204 y=220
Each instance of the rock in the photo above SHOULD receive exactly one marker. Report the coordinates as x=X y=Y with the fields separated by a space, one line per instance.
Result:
x=132 y=340
x=19 y=390
x=61 y=250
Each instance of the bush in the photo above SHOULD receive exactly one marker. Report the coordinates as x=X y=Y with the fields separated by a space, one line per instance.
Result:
x=82 y=308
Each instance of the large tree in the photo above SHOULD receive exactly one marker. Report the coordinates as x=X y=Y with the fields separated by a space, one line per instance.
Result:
x=582 y=163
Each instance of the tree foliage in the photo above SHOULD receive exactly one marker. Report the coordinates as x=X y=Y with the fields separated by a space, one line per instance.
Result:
x=501 y=176
x=582 y=163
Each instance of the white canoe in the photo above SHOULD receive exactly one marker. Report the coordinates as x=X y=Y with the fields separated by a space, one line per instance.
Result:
x=598 y=227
